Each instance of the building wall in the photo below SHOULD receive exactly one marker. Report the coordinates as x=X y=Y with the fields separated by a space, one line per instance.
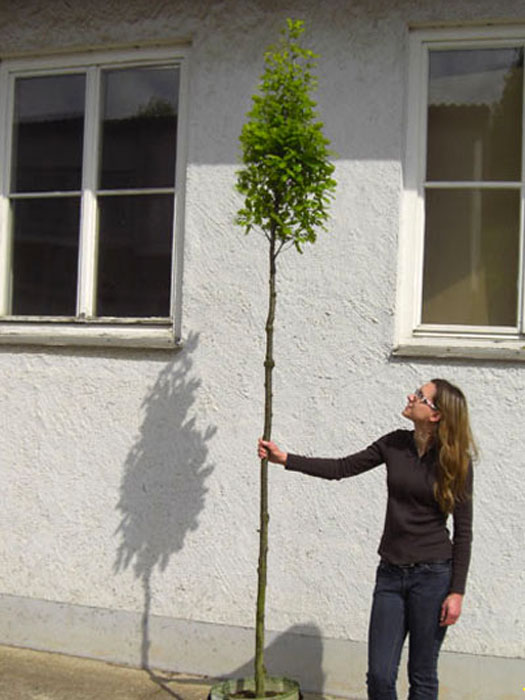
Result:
x=130 y=477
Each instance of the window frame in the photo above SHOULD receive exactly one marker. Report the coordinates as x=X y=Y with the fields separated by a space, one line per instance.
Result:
x=413 y=338
x=83 y=328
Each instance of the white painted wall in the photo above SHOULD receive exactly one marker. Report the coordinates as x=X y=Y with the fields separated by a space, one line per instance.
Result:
x=131 y=475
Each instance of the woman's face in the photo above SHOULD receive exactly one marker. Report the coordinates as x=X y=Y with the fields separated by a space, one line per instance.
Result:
x=420 y=406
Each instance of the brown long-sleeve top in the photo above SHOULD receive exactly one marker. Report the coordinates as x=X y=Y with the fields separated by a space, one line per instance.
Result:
x=415 y=527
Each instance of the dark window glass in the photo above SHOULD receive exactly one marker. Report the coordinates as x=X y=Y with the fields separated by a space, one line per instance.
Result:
x=139 y=128
x=48 y=133
x=45 y=256
x=135 y=242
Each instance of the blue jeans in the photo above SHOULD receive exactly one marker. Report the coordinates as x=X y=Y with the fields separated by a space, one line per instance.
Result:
x=407 y=600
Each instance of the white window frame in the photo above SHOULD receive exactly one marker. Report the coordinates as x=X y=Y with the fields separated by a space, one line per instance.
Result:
x=413 y=338
x=83 y=328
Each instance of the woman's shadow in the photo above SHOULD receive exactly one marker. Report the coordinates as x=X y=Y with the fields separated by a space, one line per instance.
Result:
x=296 y=653
x=163 y=485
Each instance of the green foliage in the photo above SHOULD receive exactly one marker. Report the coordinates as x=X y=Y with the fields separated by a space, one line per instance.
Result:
x=287 y=179
x=156 y=107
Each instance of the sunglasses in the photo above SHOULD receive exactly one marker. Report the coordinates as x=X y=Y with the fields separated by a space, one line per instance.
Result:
x=420 y=396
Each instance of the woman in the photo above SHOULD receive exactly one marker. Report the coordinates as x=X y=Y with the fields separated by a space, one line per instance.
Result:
x=421 y=576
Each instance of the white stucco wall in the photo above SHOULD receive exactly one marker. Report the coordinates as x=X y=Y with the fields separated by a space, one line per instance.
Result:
x=131 y=476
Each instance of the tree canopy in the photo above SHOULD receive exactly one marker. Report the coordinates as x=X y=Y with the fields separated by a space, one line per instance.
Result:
x=287 y=179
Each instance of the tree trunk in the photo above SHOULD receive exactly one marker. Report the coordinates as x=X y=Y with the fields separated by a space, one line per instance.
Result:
x=260 y=670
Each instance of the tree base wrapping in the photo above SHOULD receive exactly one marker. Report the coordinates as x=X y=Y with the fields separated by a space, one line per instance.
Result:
x=277 y=687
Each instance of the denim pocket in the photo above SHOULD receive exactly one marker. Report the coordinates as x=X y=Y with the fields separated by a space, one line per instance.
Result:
x=384 y=567
x=384 y=571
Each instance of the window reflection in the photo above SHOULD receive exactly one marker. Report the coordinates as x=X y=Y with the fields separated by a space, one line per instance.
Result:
x=135 y=238
x=135 y=151
x=139 y=128
x=45 y=256
x=471 y=257
x=474 y=115
x=48 y=133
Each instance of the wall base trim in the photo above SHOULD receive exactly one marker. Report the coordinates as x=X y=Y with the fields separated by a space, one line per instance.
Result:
x=332 y=666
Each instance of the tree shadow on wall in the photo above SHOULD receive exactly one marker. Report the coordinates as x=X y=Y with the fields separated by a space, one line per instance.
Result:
x=163 y=485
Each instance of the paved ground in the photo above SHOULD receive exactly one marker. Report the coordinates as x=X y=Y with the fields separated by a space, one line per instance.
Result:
x=35 y=675
x=31 y=675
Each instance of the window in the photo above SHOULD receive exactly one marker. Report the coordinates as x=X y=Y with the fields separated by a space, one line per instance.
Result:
x=90 y=200
x=461 y=273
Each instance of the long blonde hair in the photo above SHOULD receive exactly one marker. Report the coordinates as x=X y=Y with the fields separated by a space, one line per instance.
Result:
x=456 y=446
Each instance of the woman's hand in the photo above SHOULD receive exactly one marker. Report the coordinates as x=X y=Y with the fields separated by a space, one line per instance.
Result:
x=270 y=451
x=451 y=609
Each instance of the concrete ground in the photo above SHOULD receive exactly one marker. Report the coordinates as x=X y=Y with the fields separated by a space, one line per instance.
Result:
x=37 y=675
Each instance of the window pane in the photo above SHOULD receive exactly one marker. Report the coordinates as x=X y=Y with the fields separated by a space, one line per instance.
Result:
x=474 y=115
x=139 y=128
x=45 y=256
x=135 y=238
x=471 y=257
x=48 y=133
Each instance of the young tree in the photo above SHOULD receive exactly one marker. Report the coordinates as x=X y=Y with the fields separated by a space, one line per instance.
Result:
x=287 y=185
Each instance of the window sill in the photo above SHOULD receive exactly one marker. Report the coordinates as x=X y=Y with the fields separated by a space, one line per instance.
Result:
x=497 y=349
x=107 y=333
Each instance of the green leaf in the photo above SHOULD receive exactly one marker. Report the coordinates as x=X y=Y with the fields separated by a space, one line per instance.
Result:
x=286 y=179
